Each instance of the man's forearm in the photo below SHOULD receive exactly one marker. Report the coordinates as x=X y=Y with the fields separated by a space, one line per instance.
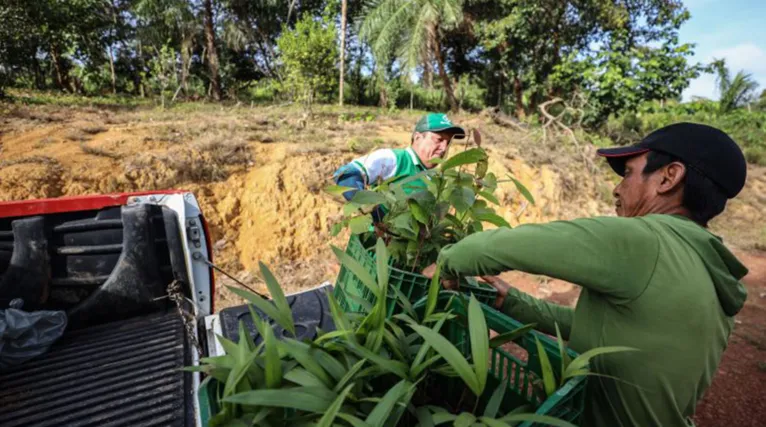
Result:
x=528 y=309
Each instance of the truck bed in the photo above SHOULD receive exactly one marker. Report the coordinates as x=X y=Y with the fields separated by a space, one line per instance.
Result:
x=115 y=374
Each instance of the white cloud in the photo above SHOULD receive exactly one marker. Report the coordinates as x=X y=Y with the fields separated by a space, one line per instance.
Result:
x=744 y=56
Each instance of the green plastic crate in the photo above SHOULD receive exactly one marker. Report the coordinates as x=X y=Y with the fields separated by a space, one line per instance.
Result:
x=349 y=290
x=518 y=376
x=567 y=403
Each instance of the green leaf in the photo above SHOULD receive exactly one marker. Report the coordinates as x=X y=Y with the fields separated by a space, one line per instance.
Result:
x=425 y=347
x=433 y=291
x=332 y=335
x=338 y=190
x=329 y=363
x=477 y=327
x=278 y=296
x=565 y=360
x=522 y=189
x=494 y=402
x=582 y=360
x=332 y=411
x=491 y=422
x=425 y=419
x=304 y=378
x=302 y=399
x=300 y=352
x=417 y=211
x=481 y=168
x=418 y=369
x=452 y=355
x=360 y=224
x=229 y=346
x=354 y=421
x=364 y=304
x=536 y=418
x=350 y=209
x=490 y=181
x=404 y=302
x=381 y=258
x=260 y=416
x=383 y=409
x=350 y=375
x=489 y=196
x=395 y=367
x=473 y=155
x=273 y=368
x=462 y=198
x=492 y=219
x=511 y=335
x=465 y=419
x=549 y=379
x=357 y=269
x=265 y=306
x=365 y=197
x=443 y=417
x=340 y=320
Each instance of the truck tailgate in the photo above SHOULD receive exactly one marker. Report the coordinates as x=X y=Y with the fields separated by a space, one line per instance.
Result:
x=120 y=373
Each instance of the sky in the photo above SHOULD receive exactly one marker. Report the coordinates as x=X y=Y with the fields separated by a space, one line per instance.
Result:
x=730 y=29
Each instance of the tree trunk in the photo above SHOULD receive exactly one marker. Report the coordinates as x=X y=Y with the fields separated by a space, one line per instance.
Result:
x=212 y=52
x=342 y=49
x=519 y=97
x=443 y=74
x=142 y=64
x=185 y=63
x=61 y=78
x=428 y=71
x=111 y=69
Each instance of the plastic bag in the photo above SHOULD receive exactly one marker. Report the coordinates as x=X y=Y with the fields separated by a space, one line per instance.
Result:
x=24 y=335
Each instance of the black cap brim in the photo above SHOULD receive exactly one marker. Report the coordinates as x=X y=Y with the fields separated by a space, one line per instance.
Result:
x=619 y=155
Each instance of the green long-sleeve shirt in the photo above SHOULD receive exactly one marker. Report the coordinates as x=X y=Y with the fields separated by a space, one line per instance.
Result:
x=658 y=283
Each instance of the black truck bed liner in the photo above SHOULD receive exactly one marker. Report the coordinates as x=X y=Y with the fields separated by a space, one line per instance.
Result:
x=116 y=374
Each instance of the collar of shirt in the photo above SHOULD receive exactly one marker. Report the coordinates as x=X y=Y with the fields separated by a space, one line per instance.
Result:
x=415 y=159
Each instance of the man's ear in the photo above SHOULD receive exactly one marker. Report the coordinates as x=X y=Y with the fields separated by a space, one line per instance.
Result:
x=672 y=177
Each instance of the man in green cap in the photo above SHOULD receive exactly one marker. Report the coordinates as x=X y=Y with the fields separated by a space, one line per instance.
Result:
x=654 y=278
x=431 y=139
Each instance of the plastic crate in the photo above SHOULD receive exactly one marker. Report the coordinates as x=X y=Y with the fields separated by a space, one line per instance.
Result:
x=349 y=290
x=518 y=376
x=566 y=403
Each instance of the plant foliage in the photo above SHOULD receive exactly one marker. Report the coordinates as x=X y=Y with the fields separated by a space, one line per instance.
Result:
x=430 y=210
x=370 y=371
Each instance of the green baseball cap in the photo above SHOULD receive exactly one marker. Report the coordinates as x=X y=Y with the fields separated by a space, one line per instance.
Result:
x=438 y=122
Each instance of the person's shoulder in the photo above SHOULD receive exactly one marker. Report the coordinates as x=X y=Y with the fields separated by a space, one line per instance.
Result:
x=624 y=227
x=376 y=156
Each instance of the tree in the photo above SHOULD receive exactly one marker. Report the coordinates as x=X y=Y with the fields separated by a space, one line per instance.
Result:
x=734 y=92
x=212 y=51
x=342 y=49
x=308 y=52
x=409 y=28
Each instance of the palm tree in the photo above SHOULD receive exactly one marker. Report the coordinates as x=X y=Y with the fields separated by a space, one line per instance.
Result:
x=735 y=92
x=410 y=28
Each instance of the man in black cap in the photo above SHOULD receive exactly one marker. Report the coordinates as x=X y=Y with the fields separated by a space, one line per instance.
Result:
x=654 y=278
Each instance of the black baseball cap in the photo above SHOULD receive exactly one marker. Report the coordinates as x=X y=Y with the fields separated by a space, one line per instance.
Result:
x=707 y=149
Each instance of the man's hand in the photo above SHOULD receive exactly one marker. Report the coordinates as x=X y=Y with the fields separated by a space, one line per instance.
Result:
x=502 y=289
x=447 y=283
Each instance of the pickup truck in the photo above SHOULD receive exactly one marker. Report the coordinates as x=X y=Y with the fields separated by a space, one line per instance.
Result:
x=134 y=275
